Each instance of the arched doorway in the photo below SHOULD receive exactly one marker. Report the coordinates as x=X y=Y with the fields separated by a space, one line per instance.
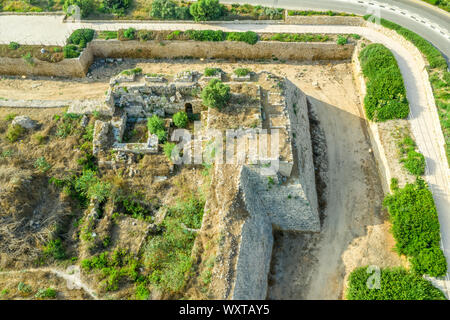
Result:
x=188 y=108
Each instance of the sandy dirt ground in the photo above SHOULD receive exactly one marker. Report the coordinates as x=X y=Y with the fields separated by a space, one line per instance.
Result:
x=354 y=231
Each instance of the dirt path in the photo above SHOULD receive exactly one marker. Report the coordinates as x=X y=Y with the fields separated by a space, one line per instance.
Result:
x=72 y=278
x=315 y=266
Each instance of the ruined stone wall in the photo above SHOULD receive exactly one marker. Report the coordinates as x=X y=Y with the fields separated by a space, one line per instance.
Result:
x=78 y=67
x=325 y=20
x=255 y=249
x=222 y=49
x=300 y=135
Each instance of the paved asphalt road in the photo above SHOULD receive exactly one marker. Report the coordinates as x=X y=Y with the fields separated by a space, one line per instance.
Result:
x=426 y=20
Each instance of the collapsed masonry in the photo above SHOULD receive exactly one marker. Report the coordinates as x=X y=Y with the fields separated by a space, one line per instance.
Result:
x=259 y=202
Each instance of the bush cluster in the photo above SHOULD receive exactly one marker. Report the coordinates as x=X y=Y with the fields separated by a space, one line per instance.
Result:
x=215 y=94
x=204 y=10
x=169 y=10
x=413 y=161
x=386 y=95
x=297 y=37
x=317 y=13
x=437 y=71
x=81 y=37
x=156 y=126
x=415 y=227
x=249 y=37
x=241 y=72
x=394 y=284
x=180 y=119
x=86 y=6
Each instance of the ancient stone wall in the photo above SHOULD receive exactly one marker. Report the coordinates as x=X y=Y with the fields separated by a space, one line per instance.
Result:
x=222 y=49
x=325 y=20
x=300 y=135
x=78 y=67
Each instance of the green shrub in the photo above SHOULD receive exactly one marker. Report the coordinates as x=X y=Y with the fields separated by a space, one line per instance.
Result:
x=46 y=293
x=163 y=9
x=107 y=35
x=162 y=135
x=241 y=72
x=142 y=292
x=414 y=163
x=209 y=72
x=42 y=165
x=395 y=284
x=168 y=149
x=430 y=261
x=203 y=10
x=249 y=37
x=297 y=37
x=129 y=33
x=71 y=51
x=415 y=225
x=167 y=256
x=215 y=94
x=129 y=72
x=341 y=40
x=117 y=7
x=86 y=6
x=10 y=116
x=90 y=186
x=180 y=119
x=154 y=124
x=13 y=45
x=14 y=133
x=205 y=35
x=189 y=211
x=55 y=249
x=28 y=59
x=386 y=95
x=317 y=13
x=23 y=287
x=81 y=37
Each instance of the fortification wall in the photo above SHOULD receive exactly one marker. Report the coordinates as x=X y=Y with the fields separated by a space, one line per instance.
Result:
x=78 y=67
x=255 y=250
x=222 y=49
x=300 y=135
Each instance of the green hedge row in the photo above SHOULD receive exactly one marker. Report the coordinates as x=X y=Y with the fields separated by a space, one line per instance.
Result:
x=415 y=227
x=77 y=41
x=439 y=76
x=394 y=284
x=386 y=95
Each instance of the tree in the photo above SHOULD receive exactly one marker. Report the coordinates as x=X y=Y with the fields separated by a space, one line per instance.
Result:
x=216 y=94
x=155 y=123
x=204 y=10
x=86 y=6
x=163 y=9
x=180 y=119
x=116 y=6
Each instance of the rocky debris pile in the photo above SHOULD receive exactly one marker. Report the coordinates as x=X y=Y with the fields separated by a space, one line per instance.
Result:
x=25 y=122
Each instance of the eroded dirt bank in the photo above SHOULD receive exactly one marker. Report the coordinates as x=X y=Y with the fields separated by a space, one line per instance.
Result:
x=354 y=231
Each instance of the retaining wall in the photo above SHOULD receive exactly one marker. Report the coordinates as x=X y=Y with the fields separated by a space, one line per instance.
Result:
x=176 y=49
x=325 y=20
x=375 y=141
